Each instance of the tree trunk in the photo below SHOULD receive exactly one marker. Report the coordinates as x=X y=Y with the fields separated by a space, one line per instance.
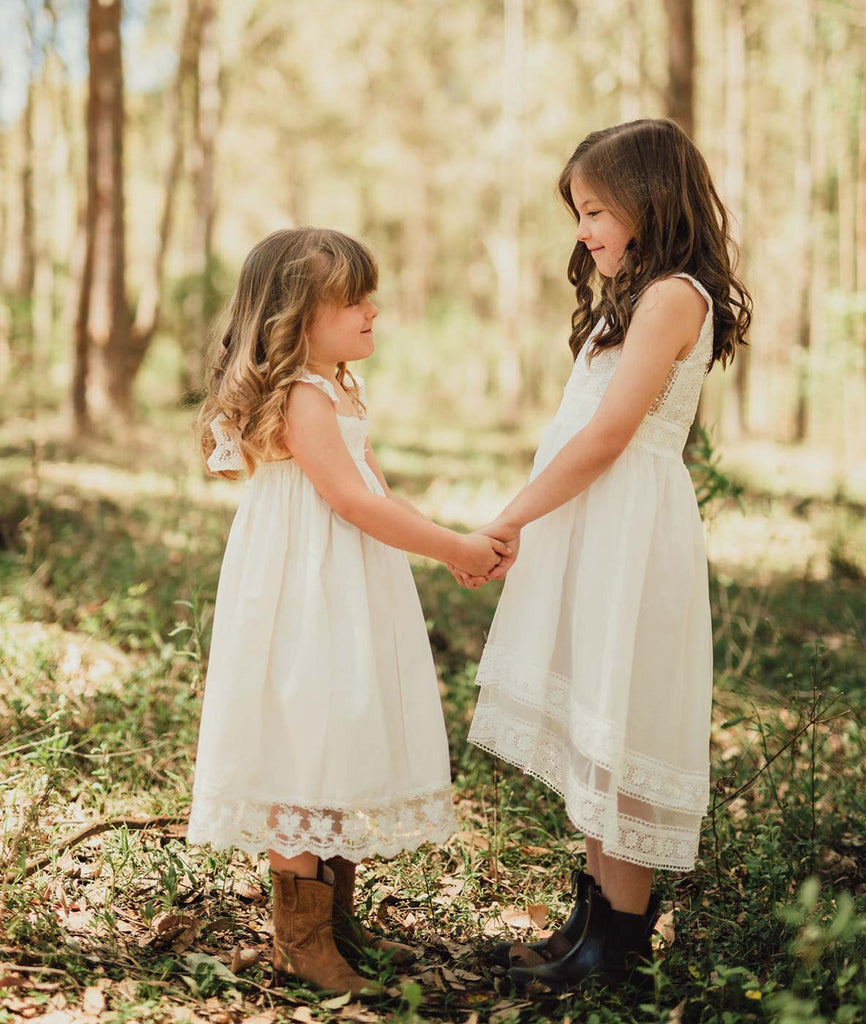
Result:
x=809 y=158
x=150 y=301
x=207 y=113
x=680 y=93
x=735 y=183
x=630 y=51
x=860 y=237
x=506 y=254
x=27 y=266
x=418 y=230
x=860 y=243
x=102 y=322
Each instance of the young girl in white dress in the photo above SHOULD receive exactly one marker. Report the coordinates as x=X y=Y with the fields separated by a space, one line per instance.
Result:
x=322 y=738
x=597 y=673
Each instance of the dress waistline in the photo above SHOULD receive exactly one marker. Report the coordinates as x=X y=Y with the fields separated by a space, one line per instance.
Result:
x=655 y=434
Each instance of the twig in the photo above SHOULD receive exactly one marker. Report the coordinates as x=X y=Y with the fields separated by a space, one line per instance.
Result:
x=21 y=969
x=812 y=721
x=716 y=850
x=94 y=829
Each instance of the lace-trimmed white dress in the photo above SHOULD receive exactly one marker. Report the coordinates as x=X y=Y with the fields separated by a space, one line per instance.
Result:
x=597 y=673
x=322 y=728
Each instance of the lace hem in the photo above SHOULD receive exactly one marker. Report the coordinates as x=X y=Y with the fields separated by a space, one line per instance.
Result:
x=546 y=756
x=382 y=830
x=601 y=741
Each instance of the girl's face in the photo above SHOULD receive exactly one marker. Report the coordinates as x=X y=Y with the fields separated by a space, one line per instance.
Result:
x=342 y=333
x=599 y=228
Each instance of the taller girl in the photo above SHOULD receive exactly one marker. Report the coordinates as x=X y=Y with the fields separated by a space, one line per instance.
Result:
x=597 y=675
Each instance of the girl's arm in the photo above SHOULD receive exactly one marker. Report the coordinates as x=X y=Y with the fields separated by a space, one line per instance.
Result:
x=314 y=439
x=373 y=463
x=665 y=326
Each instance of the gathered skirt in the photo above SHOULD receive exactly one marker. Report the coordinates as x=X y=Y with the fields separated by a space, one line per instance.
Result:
x=322 y=728
x=597 y=674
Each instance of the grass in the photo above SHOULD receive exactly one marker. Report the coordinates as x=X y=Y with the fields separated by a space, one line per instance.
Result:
x=109 y=556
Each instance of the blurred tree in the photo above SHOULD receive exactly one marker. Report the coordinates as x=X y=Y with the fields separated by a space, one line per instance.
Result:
x=506 y=241
x=208 y=101
x=680 y=91
x=149 y=304
x=737 y=422
x=27 y=259
x=806 y=172
x=102 y=329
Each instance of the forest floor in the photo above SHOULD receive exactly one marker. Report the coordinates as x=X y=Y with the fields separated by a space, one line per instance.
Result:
x=109 y=556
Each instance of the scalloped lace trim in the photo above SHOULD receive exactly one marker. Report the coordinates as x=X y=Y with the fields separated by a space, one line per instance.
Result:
x=601 y=741
x=354 y=833
x=541 y=752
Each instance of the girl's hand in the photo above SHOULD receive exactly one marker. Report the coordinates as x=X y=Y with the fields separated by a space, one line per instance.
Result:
x=465 y=580
x=481 y=554
x=508 y=534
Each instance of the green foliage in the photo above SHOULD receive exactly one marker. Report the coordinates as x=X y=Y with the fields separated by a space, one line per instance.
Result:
x=104 y=629
x=712 y=483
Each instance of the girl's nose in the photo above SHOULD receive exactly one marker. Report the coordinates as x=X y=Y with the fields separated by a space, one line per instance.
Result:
x=373 y=309
x=582 y=232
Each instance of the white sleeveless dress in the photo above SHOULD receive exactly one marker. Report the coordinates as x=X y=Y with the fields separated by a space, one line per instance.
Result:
x=597 y=674
x=322 y=729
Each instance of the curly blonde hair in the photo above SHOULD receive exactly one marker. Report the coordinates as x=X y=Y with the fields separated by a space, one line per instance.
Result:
x=264 y=347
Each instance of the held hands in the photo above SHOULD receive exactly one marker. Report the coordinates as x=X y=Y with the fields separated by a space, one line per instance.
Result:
x=481 y=555
x=506 y=536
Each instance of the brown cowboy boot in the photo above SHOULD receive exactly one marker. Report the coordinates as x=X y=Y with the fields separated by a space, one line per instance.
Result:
x=303 y=935
x=350 y=936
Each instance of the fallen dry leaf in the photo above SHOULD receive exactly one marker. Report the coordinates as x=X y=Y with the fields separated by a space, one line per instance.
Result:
x=93 y=1000
x=538 y=914
x=242 y=958
x=665 y=928
x=515 y=917
x=676 y=1014
x=303 y=1015
x=452 y=979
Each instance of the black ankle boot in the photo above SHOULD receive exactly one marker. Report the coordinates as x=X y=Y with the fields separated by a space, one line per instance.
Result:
x=521 y=954
x=613 y=944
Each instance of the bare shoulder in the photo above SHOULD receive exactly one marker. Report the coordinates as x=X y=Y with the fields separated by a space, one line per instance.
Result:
x=307 y=401
x=675 y=298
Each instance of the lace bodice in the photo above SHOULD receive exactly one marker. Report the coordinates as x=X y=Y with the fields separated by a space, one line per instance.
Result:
x=665 y=427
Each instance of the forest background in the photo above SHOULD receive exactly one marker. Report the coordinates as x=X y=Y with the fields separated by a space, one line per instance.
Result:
x=143 y=149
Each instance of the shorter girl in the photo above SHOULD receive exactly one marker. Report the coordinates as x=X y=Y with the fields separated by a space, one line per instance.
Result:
x=597 y=673
x=322 y=739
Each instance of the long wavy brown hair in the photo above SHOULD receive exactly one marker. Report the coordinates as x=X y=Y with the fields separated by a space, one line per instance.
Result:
x=264 y=346
x=652 y=177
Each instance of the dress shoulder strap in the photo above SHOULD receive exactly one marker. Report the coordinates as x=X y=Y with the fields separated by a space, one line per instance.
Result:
x=698 y=287
x=321 y=383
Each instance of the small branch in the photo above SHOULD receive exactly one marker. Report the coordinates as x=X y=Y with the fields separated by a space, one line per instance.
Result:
x=813 y=720
x=94 y=829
